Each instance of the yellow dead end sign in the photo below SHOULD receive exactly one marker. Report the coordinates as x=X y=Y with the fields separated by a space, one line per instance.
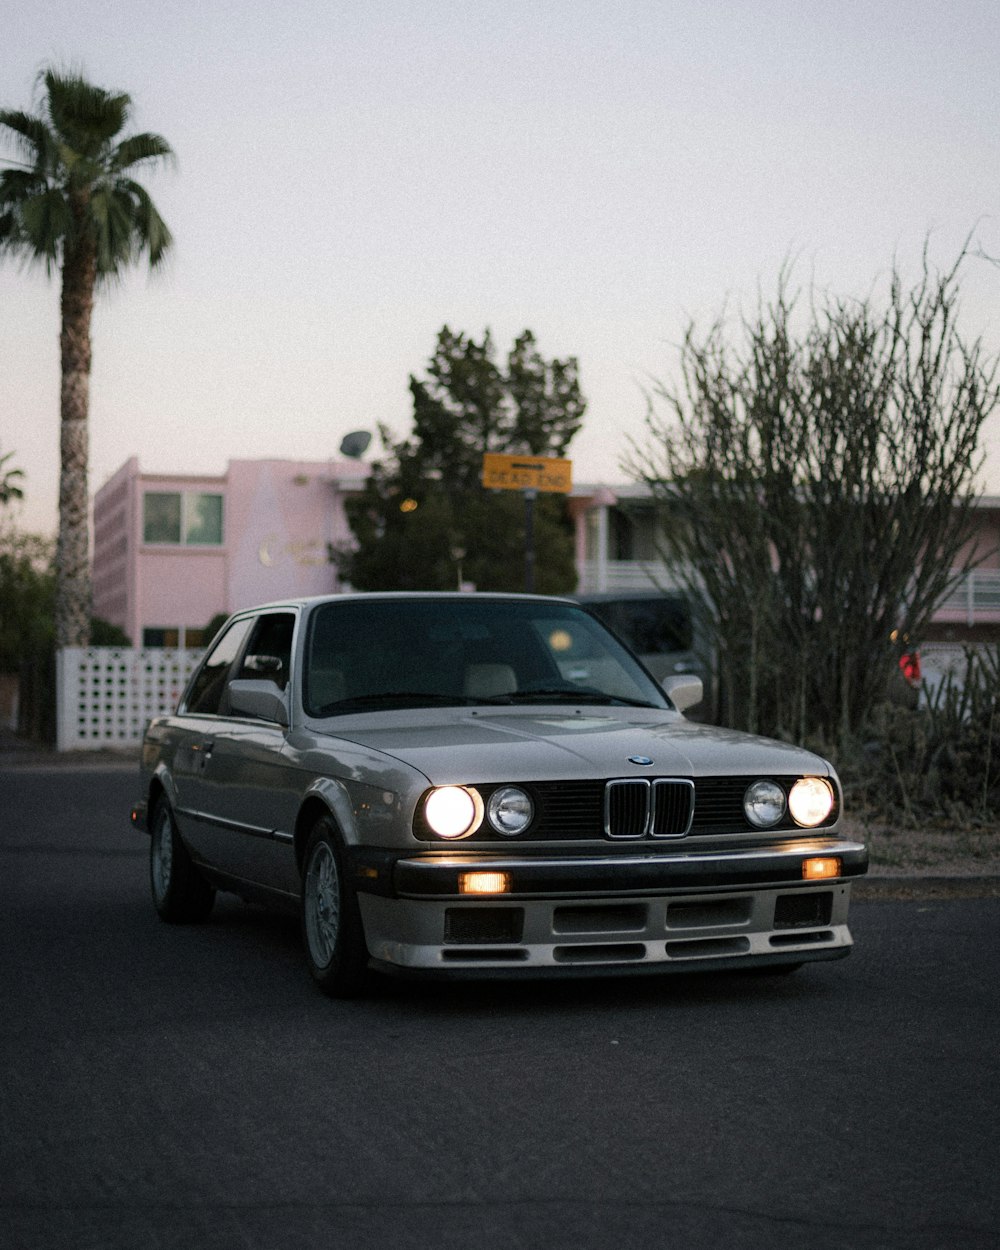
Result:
x=528 y=474
x=502 y=472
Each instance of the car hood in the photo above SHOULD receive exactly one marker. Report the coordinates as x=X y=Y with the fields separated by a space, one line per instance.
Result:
x=557 y=743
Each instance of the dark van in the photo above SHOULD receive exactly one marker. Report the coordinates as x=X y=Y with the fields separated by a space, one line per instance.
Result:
x=659 y=626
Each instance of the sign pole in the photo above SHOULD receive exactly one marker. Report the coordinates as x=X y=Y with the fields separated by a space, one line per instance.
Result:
x=529 y=475
x=529 y=540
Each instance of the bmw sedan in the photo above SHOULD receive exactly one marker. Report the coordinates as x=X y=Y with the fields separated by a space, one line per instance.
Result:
x=485 y=785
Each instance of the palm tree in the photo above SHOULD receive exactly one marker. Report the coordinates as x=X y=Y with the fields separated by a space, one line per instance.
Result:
x=70 y=204
x=10 y=487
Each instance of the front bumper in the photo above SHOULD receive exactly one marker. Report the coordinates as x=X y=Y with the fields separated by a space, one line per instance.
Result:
x=438 y=876
x=693 y=911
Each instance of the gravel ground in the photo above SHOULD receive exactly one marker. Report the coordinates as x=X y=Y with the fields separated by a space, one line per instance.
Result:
x=946 y=851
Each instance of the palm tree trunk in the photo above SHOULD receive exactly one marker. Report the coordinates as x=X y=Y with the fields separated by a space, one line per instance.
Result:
x=73 y=590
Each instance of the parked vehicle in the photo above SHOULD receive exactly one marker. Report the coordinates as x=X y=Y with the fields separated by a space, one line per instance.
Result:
x=485 y=785
x=661 y=627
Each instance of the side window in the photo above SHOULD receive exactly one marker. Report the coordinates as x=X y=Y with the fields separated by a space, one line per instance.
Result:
x=209 y=682
x=269 y=654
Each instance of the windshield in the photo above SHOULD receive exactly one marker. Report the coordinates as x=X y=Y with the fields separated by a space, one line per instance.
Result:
x=367 y=654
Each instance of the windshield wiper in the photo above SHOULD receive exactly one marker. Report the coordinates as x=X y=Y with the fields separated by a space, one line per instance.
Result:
x=426 y=698
x=415 y=698
x=566 y=694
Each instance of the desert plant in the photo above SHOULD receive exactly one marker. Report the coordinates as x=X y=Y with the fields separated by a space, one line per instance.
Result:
x=940 y=761
x=815 y=484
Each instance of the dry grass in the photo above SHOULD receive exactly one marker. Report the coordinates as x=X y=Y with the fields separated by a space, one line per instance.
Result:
x=938 y=851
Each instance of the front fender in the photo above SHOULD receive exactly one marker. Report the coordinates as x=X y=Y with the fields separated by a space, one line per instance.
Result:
x=162 y=779
x=334 y=796
x=159 y=782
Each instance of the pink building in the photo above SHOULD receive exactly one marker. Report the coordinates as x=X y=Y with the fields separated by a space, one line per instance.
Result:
x=617 y=552
x=171 y=552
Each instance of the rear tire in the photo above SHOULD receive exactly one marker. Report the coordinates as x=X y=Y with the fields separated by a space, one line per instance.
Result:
x=332 y=932
x=181 y=895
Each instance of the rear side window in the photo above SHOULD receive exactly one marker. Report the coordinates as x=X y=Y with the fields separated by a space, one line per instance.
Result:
x=209 y=682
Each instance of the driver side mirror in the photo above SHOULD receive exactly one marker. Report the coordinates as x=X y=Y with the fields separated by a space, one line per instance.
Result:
x=261 y=699
x=683 y=690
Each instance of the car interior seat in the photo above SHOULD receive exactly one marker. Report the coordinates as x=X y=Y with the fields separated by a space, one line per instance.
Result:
x=488 y=681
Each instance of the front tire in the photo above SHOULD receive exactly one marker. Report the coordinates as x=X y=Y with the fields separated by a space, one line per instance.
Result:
x=181 y=895
x=332 y=932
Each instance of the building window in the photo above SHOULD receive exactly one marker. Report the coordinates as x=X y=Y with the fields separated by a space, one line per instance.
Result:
x=161 y=519
x=203 y=520
x=182 y=518
x=172 y=636
x=159 y=637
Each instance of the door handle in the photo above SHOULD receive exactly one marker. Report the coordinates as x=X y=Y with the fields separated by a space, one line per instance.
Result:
x=202 y=751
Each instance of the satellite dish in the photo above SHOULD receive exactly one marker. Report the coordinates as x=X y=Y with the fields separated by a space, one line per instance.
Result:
x=355 y=444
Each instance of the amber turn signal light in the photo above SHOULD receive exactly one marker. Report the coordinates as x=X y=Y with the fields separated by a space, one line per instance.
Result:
x=483 y=882
x=821 y=868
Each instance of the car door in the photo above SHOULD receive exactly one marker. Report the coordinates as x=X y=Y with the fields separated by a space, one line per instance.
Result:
x=194 y=730
x=247 y=789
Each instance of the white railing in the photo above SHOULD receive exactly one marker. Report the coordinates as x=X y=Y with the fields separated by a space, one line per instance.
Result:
x=106 y=695
x=597 y=576
x=977 y=595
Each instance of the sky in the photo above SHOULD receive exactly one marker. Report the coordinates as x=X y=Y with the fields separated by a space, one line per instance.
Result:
x=350 y=177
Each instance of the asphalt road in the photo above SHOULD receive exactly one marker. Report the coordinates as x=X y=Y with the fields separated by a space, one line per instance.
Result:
x=183 y=1088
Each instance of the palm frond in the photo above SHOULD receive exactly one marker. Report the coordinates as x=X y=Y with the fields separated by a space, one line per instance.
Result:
x=138 y=148
x=126 y=224
x=111 y=219
x=85 y=116
x=10 y=236
x=31 y=138
x=75 y=164
x=151 y=230
x=46 y=221
x=18 y=185
x=34 y=218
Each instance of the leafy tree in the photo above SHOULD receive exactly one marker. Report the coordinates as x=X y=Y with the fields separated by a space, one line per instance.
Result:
x=816 y=488
x=10 y=479
x=27 y=630
x=70 y=204
x=424 y=517
x=104 y=634
x=27 y=595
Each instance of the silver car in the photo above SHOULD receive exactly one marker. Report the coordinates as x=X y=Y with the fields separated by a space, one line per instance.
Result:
x=485 y=785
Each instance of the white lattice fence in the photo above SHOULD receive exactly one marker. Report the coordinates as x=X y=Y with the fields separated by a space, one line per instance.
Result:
x=106 y=695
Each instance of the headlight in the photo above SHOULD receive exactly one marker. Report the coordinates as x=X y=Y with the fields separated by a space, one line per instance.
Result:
x=453 y=811
x=764 y=803
x=510 y=811
x=810 y=801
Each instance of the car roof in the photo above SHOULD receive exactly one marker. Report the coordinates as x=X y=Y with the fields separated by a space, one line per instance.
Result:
x=310 y=601
x=629 y=596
